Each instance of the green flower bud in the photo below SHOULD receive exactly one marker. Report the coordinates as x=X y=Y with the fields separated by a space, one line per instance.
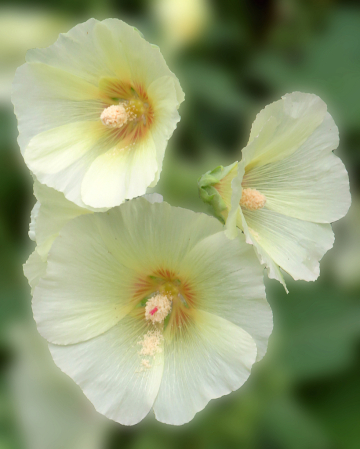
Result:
x=215 y=189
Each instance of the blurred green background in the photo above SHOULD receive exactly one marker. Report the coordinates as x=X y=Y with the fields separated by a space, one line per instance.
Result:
x=232 y=58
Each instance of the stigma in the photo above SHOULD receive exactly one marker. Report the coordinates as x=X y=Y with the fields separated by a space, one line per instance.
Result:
x=157 y=308
x=252 y=199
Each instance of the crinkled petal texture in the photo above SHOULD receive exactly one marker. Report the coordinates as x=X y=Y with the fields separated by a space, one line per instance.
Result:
x=50 y=213
x=60 y=94
x=89 y=308
x=290 y=160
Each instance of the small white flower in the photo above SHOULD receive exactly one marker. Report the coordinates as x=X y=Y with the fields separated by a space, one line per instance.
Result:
x=95 y=111
x=287 y=189
x=151 y=306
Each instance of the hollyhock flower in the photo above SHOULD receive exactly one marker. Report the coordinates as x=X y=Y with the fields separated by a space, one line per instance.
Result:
x=287 y=189
x=151 y=306
x=95 y=111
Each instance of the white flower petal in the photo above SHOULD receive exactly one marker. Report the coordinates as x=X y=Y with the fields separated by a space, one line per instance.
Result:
x=240 y=296
x=33 y=217
x=153 y=198
x=109 y=370
x=311 y=184
x=295 y=245
x=53 y=213
x=56 y=149
x=165 y=236
x=166 y=117
x=281 y=127
x=145 y=61
x=34 y=269
x=61 y=156
x=208 y=359
x=86 y=290
x=45 y=97
x=120 y=174
x=80 y=52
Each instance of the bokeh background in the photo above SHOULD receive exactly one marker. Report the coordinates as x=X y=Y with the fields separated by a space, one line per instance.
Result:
x=232 y=58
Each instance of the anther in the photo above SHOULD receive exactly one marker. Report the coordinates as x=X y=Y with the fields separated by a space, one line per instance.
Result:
x=114 y=116
x=252 y=200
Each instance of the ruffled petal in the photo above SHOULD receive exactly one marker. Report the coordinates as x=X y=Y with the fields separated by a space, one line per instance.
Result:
x=34 y=269
x=110 y=371
x=54 y=212
x=209 y=358
x=153 y=198
x=86 y=290
x=86 y=51
x=281 y=127
x=311 y=184
x=240 y=296
x=166 y=117
x=33 y=218
x=145 y=60
x=295 y=245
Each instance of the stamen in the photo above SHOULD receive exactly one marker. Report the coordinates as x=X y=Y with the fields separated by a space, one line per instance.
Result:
x=157 y=308
x=252 y=199
x=115 y=116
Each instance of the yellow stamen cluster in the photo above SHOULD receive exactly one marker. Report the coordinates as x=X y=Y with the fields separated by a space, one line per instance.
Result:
x=252 y=200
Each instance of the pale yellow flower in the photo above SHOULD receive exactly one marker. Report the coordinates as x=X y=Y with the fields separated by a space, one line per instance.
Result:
x=287 y=189
x=95 y=111
x=149 y=306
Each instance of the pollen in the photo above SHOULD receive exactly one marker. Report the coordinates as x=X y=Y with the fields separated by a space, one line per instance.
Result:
x=145 y=364
x=150 y=346
x=157 y=308
x=114 y=116
x=252 y=200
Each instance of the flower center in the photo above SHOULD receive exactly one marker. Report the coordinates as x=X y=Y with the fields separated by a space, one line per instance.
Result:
x=252 y=199
x=115 y=116
x=157 y=308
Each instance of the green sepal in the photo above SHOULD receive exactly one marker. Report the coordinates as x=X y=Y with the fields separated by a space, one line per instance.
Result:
x=209 y=194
